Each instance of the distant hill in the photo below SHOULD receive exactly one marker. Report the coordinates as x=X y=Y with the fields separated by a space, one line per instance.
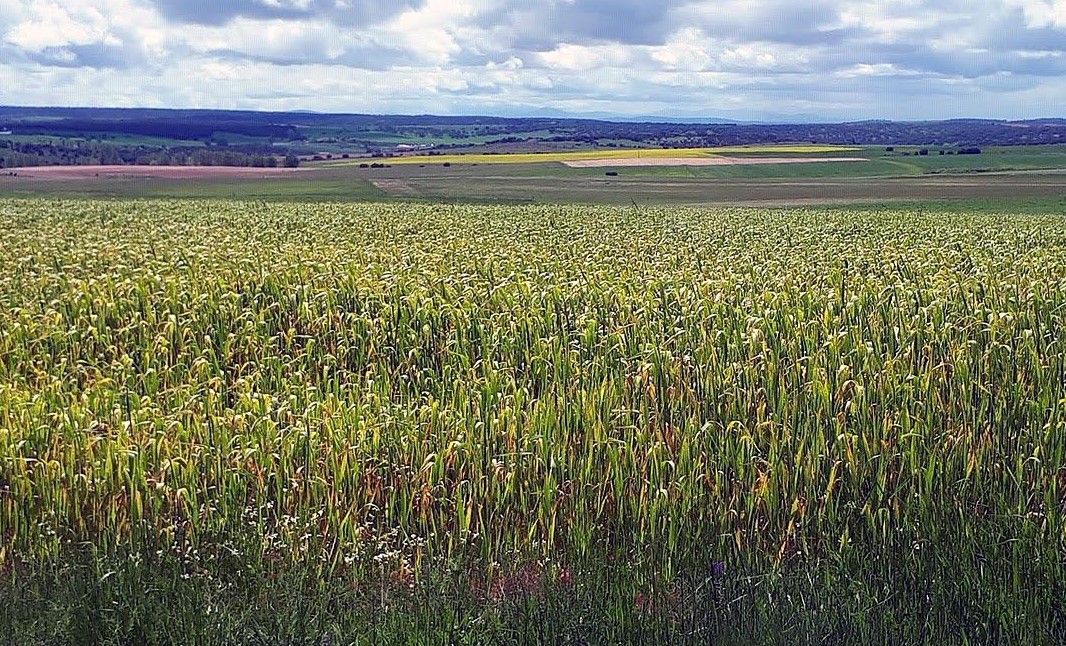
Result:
x=187 y=124
x=72 y=135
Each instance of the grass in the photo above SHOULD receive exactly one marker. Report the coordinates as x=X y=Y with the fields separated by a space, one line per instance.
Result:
x=413 y=134
x=515 y=183
x=825 y=170
x=557 y=157
x=1025 y=158
x=877 y=164
x=806 y=184
x=874 y=167
x=1015 y=204
x=277 y=189
x=510 y=184
x=117 y=139
x=236 y=422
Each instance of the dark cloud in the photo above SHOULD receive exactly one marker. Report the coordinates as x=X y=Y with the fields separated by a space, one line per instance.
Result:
x=1010 y=32
x=219 y=12
x=924 y=56
x=979 y=64
x=794 y=23
x=625 y=21
x=1043 y=39
x=539 y=25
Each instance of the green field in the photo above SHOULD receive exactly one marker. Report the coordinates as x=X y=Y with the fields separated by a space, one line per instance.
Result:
x=612 y=153
x=319 y=188
x=309 y=423
x=108 y=138
x=552 y=184
x=999 y=177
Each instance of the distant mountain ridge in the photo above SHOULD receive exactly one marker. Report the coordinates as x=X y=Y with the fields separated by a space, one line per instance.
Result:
x=299 y=117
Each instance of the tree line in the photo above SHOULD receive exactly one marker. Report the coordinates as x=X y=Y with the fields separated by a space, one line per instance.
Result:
x=80 y=153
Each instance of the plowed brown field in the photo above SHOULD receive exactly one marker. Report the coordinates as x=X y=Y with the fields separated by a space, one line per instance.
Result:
x=159 y=172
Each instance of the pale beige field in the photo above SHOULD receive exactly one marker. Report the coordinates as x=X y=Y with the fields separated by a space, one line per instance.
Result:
x=702 y=161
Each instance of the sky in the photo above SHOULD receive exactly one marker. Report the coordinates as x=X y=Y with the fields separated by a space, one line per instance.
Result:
x=835 y=60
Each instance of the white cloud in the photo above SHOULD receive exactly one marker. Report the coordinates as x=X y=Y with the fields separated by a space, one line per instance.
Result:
x=583 y=58
x=299 y=5
x=125 y=26
x=686 y=49
x=863 y=70
x=279 y=40
x=433 y=32
x=53 y=25
x=1042 y=13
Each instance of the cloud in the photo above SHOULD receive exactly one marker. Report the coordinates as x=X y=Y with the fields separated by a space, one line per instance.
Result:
x=220 y=12
x=540 y=25
x=50 y=25
x=1042 y=13
x=93 y=33
x=99 y=55
x=817 y=22
x=280 y=42
x=740 y=58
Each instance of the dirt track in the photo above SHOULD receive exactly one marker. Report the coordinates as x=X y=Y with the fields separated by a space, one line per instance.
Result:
x=703 y=161
x=393 y=186
x=157 y=172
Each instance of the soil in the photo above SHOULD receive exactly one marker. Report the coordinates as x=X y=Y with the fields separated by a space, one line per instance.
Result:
x=156 y=172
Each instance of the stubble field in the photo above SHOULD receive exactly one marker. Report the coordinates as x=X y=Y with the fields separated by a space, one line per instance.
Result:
x=230 y=422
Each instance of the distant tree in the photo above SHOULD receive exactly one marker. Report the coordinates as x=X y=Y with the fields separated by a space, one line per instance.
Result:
x=291 y=161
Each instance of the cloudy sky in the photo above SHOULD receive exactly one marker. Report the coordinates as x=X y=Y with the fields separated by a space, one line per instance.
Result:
x=743 y=59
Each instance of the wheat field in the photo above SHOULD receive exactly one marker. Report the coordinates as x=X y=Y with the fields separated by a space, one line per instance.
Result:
x=230 y=422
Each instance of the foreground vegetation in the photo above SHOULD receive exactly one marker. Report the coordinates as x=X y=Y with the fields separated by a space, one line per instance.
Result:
x=228 y=422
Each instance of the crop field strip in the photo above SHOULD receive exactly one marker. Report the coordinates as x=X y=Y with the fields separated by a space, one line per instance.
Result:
x=590 y=155
x=491 y=424
x=542 y=184
x=999 y=173
x=581 y=186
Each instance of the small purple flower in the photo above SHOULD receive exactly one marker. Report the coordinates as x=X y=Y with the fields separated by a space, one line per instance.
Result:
x=718 y=569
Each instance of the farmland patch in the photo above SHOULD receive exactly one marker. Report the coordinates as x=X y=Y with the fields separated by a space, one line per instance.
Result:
x=703 y=161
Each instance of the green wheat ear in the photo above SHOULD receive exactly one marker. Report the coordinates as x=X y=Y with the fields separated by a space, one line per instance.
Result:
x=627 y=422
